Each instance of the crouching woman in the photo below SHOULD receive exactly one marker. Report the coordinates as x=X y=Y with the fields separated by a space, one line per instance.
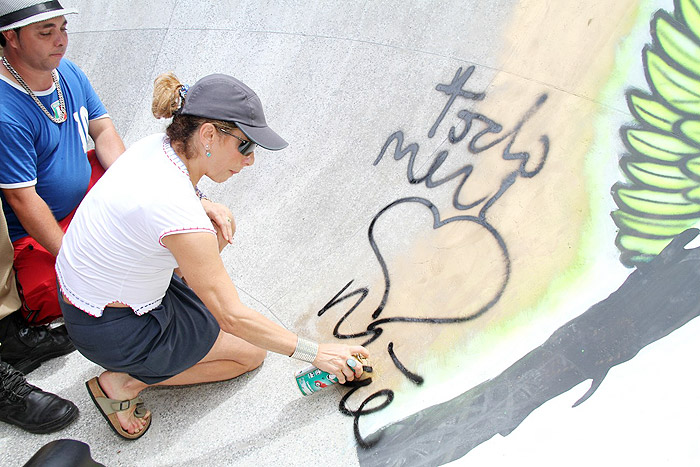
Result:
x=144 y=292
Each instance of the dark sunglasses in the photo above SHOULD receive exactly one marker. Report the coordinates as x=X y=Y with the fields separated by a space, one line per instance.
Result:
x=246 y=147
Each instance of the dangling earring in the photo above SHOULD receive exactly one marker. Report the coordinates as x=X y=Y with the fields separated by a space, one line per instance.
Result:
x=208 y=153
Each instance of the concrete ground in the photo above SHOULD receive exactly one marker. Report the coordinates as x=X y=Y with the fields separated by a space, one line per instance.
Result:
x=337 y=79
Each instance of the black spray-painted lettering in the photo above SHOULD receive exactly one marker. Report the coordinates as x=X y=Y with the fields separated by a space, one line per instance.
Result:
x=476 y=145
x=454 y=90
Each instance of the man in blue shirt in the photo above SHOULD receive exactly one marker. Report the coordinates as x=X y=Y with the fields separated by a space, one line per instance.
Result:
x=48 y=110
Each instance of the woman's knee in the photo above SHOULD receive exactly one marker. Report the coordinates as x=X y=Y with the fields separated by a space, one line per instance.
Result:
x=255 y=358
x=230 y=347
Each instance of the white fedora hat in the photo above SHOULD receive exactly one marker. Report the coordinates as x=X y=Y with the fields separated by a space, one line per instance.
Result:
x=19 y=13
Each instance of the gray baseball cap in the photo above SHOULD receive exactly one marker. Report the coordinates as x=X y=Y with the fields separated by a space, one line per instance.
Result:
x=20 y=13
x=223 y=97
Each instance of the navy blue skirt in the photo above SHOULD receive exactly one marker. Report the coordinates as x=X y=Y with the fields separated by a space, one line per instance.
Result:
x=152 y=347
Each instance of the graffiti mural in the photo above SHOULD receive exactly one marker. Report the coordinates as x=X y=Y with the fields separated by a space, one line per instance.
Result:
x=656 y=208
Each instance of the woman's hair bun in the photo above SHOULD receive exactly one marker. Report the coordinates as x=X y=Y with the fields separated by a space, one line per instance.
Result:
x=166 y=95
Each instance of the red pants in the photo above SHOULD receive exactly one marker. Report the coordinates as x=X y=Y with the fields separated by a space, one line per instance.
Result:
x=35 y=267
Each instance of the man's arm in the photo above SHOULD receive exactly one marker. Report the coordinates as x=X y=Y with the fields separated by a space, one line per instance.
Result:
x=36 y=217
x=108 y=144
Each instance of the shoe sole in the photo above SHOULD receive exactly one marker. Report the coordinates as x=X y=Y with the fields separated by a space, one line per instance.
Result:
x=51 y=426
x=28 y=365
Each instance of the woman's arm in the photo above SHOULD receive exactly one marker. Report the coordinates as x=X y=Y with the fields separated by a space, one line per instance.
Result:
x=197 y=255
x=221 y=217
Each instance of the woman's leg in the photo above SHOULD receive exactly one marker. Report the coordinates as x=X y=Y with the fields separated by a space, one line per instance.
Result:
x=121 y=386
x=230 y=356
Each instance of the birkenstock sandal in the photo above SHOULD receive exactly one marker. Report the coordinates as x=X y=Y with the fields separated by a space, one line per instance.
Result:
x=109 y=408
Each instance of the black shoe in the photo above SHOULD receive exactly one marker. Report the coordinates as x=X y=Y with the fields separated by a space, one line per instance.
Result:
x=63 y=453
x=25 y=347
x=29 y=407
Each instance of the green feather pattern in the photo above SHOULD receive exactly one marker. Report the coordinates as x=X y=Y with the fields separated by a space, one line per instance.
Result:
x=661 y=197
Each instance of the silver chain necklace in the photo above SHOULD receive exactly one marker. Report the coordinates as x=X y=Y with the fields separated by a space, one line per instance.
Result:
x=62 y=114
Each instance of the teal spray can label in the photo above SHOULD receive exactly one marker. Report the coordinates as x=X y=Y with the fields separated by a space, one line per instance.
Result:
x=311 y=380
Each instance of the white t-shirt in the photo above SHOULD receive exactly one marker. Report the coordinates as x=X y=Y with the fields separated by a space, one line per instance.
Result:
x=113 y=250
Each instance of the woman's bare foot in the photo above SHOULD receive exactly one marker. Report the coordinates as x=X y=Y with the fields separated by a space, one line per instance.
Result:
x=121 y=386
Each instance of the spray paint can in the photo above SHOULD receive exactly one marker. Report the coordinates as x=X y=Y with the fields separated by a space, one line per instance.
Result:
x=311 y=379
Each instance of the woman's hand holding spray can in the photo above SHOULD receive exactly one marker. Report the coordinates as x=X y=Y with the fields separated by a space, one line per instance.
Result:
x=311 y=379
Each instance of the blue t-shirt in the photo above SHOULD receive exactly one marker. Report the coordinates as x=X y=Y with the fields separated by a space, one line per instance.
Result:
x=34 y=151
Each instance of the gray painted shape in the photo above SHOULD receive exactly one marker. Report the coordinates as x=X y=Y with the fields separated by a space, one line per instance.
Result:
x=654 y=301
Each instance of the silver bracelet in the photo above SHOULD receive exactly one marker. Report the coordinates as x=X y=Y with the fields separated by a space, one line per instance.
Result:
x=306 y=350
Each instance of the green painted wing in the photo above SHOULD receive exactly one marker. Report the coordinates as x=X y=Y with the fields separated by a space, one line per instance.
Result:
x=662 y=198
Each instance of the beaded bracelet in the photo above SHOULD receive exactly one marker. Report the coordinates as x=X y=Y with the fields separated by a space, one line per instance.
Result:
x=306 y=350
x=200 y=194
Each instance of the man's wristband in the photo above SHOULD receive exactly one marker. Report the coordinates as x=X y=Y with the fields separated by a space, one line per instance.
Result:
x=306 y=350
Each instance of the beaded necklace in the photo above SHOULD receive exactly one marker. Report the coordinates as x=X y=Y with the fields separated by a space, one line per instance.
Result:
x=62 y=114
